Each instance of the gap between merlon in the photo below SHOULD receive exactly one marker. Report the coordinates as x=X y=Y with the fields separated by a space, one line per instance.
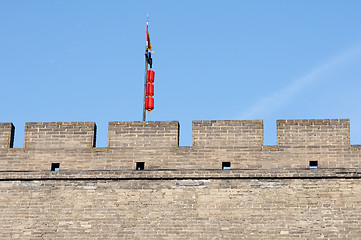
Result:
x=101 y=136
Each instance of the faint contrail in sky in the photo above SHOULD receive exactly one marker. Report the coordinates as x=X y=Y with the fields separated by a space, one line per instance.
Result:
x=276 y=99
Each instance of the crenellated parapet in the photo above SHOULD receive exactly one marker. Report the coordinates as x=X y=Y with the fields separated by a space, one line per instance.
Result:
x=240 y=143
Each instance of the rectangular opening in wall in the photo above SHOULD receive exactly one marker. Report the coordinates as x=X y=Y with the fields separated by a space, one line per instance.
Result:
x=55 y=167
x=139 y=166
x=226 y=165
x=313 y=164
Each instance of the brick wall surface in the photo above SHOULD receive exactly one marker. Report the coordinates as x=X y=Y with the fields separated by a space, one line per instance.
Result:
x=59 y=136
x=311 y=133
x=183 y=193
x=143 y=135
x=228 y=134
x=111 y=206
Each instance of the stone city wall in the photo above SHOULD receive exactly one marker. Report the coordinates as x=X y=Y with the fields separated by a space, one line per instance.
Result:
x=182 y=192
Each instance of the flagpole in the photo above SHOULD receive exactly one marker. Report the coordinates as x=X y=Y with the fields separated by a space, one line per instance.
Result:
x=145 y=74
x=145 y=81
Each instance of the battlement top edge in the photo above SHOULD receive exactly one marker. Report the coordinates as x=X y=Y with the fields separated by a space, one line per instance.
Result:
x=225 y=121
x=143 y=122
x=6 y=124
x=59 y=123
x=312 y=120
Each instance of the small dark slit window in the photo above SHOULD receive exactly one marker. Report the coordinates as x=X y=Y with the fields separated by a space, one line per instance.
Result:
x=226 y=165
x=139 y=166
x=313 y=164
x=55 y=167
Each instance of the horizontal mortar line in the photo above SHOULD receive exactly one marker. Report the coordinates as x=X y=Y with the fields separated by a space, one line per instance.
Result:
x=175 y=178
x=257 y=170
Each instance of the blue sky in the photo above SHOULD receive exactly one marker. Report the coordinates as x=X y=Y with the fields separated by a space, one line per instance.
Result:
x=84 y=61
